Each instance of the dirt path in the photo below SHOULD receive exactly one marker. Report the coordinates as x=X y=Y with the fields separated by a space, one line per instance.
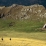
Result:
x=21 y=42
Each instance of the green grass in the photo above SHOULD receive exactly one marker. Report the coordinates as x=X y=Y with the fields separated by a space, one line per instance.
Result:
x=32 y=35
x=22 y=29
x=21 y=25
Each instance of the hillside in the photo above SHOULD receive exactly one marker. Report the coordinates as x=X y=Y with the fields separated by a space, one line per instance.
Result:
x=22 y=18
x=23 y=12
x=19 y=21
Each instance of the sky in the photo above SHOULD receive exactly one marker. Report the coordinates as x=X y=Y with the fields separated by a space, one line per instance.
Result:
x=22 y=2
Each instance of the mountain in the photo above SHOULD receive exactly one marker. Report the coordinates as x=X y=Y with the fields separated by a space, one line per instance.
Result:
x=22 y=2
x=15 y=11
x=22 y=18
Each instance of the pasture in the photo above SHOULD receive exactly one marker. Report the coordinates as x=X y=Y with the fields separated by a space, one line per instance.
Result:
x=21 y=42
x=22 y=33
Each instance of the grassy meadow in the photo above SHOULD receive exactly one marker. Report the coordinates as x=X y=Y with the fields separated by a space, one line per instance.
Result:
x=21 y=25
x=22 y=32
x=21 y=42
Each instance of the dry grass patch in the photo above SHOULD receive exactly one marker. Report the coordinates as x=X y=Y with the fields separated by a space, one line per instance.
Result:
x=21 y=42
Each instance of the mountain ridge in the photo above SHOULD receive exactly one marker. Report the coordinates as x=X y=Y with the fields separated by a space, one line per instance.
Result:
x=15 y=11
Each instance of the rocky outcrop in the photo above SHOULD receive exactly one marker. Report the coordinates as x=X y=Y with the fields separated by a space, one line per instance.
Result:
x=23 y=12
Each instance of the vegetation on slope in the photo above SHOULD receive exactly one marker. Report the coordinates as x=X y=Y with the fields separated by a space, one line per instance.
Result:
x=21 y=25
x=25 y=23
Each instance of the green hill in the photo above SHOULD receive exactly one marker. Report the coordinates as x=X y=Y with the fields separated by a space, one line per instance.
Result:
x=22 y=18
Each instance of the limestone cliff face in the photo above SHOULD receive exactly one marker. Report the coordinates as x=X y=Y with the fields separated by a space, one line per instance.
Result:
x=23 y=12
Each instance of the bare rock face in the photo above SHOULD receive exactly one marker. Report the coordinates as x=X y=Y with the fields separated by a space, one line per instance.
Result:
x=44 y=26
x=23 y=12
x=1 y=7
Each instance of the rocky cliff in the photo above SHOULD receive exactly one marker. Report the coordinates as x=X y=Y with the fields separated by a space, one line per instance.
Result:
x=15 y=11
